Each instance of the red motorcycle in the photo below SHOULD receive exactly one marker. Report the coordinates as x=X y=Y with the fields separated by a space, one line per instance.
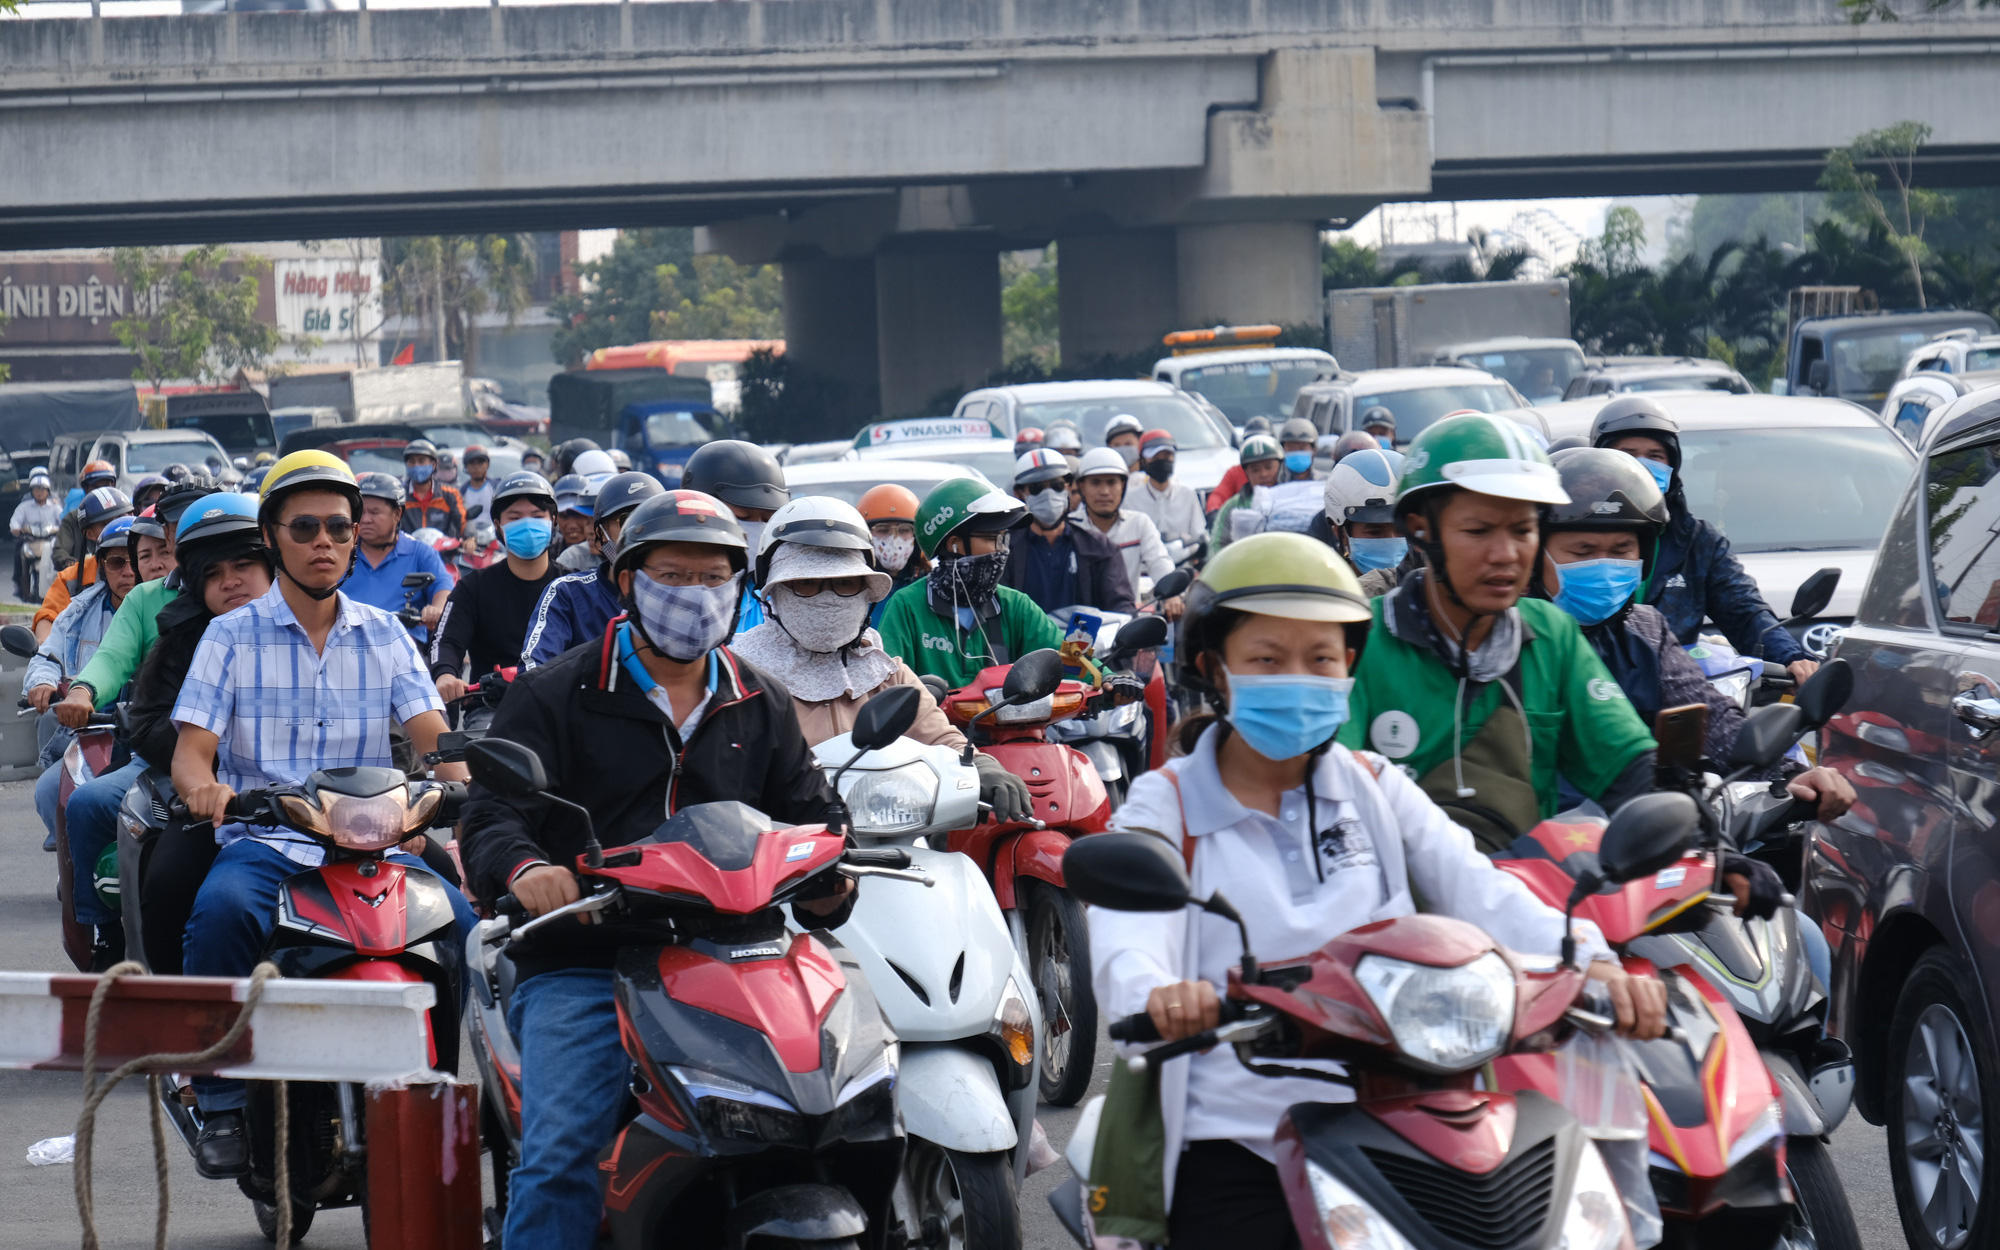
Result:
x=764 y=1075
x=1006 y=711
x=1426 y=1153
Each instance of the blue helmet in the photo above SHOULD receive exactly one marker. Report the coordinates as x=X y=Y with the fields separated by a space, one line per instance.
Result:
x=574 y=494
x=116 y=534
x=213 y=516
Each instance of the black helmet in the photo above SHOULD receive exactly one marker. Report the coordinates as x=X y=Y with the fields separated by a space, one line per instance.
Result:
x=1607 y=490
x=182 y=493
x=419 y=447
x=565 y=454
x=740 y=474
x=381 y=486
x=175 y=472
x=680 y=516
x=623 y=492
x=1636 y=414
x=523 y=485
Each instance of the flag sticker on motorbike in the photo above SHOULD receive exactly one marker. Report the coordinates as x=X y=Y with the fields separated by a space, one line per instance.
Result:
x=799 y=850
x=1670 y=877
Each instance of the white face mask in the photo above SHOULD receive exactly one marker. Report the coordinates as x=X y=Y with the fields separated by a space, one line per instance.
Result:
x=824 y=623
x=1048 y=506
x=893 y=551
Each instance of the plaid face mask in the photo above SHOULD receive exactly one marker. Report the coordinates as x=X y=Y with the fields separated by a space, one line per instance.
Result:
x=686 y=622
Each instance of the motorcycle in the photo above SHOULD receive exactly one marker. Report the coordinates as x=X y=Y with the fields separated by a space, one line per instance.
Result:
x=447 y=548
x=763 y=1108
x=1415 y=1007
x=40 y=570
x=1126 y=741
x=92 y=948
x=950 y=982
x=357 y=917
x=1023 y=858
x=481 y=546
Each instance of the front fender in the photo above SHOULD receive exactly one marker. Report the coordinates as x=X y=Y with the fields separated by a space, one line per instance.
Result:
x=951 y=1097
x=1801 y=1109
x=1038 y=853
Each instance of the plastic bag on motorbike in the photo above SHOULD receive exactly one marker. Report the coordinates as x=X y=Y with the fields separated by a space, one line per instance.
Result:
x=1287 y=508
x=1597 y=1080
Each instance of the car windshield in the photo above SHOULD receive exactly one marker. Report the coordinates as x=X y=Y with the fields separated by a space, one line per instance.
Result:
x=1416 y=409
x=1252 y=388
x=1190 y=427
x=456 y=435
x=1685 y=382
x=675 y=429
x=1540 y=373
x=851 y=491
x=1866 y=364
x=152 y=457
x=1981 y=359
x=376 y=460
x=231 y=429
x=1793 y=488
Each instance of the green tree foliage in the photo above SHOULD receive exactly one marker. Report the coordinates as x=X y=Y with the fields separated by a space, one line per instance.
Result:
x=621 y=292
x=194 y=314
x=720 y=299
x=450 y=281
x=784 y=403
x=1030 y=321
x=1902 y=211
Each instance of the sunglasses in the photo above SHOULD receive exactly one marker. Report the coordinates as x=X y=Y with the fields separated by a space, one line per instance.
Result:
x=306 y=528
x=111 y=562
x=845 y=587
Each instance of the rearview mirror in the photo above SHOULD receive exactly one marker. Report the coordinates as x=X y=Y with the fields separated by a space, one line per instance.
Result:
x=475 y=510
x=412 y=580
x=1174 y=583
x=19 y=640
x=506 y=767
x=1034 y=676
x=885 y=718
x=1825 y=693
x=1646 y=835
x=1814 y=594
x=1126 y=872
x=1767 y=733
x=1818 y=374
x=1139 y=633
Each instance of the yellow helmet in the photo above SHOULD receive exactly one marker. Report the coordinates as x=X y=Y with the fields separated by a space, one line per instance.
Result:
x=1272 y=574
x=318 y=469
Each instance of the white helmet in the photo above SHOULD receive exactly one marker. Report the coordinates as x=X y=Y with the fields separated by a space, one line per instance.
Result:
x=1362 y=487
x=1123 y=423
x=592 y=463
x=817 y=521
x=1099 y=461
x=1063 y=437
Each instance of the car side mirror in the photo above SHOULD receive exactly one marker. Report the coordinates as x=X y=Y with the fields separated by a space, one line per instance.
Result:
x=1126 y=872
x=1818 y=374
x=1814 y=594
x=1034 y=676
x=506 y=767
x=1174 y=583
x=1139 y=633
x=1822 y=696
x=1767 y=733
x=1647 y=834
x=885 y=718
x=19 y=640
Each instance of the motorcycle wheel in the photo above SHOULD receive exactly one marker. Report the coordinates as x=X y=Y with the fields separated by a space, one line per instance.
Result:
x=1939 y=1071
x=500 y=1150
x=1059 y=962
x=1822 y=1219
x=960 y=1201
x=267 y=1219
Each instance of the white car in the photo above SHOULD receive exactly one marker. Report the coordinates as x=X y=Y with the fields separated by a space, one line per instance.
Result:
x=1910 y=402
x=1203 y=442
x=1248 y=382
x=849 y=480
x=1796 y=484
x=1417 y=397
x=1954 y=351
x=990 y=458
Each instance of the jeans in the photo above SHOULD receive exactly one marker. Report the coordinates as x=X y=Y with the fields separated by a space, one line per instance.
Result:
x=573 y=1077
x=233 y=916
x=52 y=738
x=92 y=817
x=48 y=791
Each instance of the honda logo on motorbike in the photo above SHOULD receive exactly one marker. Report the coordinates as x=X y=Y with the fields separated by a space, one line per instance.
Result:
x=373 y=900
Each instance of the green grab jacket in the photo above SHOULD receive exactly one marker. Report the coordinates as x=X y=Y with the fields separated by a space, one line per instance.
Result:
x=913 y=632
x=126 y=640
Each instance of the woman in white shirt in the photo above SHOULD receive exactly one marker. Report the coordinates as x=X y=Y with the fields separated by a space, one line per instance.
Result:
x=1308 y=840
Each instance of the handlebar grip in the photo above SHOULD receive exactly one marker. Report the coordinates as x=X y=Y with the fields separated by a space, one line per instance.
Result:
x=248 y=804
x=509 y=906
x=878 y=857
x=1137 y=1027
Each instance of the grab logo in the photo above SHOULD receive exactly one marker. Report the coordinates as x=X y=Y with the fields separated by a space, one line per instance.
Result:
x=1394 y=734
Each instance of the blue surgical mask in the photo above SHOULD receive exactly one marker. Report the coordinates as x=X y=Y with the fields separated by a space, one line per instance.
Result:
x=1593 y=590
x=528 y=536
x=1284 y=715
x=422 y=472
x=1662 y=473
x=1369 y=554
x=1298 y=461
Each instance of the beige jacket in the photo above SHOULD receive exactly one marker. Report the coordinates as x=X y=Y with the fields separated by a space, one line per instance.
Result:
x=821 y=721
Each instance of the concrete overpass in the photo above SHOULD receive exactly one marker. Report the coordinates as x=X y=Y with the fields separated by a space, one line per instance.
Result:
x=1184 y=152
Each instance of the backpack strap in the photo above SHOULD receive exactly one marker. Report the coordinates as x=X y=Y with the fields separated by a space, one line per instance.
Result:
x=1187 y=843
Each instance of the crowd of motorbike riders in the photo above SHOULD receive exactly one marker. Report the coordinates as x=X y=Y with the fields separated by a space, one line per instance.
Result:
x=1451 y=641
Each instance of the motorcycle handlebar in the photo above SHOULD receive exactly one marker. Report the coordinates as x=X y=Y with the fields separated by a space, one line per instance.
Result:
x=878 y=857
x=1139 y=1027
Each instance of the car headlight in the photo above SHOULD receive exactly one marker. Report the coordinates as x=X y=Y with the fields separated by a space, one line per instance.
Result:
x=1449 y=1019
x=1350 y=1223
x=729 y=1108
x=893 y=799
x=1595 y=1217
x=882 y=1071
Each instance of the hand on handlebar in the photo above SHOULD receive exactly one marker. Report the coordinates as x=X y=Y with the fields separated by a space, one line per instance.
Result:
x=40 y=697
x=1802 y=669
x=75 y=709
x=432 y=614
x=210 y=802
x=1832 y=792
x=1183 y=1009
x=546 y=887
x=1003 y=791
x=1639 y=1003
x=451 y=687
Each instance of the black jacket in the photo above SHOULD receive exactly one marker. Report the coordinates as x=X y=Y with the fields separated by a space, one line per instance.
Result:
x=161 y=674
x=1656 y=673
x=1696 y=576
x=1096 y=569
x=606 y=747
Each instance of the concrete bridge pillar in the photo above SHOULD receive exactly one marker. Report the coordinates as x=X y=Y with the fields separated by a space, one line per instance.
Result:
x=937 y=317
x=1116 y=293
x=829 y=306
x=1243 y=273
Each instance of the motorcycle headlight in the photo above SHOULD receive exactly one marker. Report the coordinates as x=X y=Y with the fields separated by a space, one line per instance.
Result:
x=1595 y=1217
x=893 y=799
x=1449 y=1019
x=882 y=1071
x=1015 y=1027
x=1350 y=1223
x=1735 y=685
x=729 y=1108
x=1041 y=709
x=1768 y=1124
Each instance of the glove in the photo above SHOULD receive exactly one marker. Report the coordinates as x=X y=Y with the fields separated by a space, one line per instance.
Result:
x=1767 y=892
x=1006 y=793
x=1120 y=689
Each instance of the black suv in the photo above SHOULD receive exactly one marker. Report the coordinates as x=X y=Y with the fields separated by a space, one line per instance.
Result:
x=1906 y=886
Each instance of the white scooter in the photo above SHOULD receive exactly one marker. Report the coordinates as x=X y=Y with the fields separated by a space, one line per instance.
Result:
x=952 y=985
x=36 y=546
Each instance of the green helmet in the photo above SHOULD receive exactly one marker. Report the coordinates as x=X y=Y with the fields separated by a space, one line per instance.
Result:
x=968 y=505
x=1273 y=574
x=1260 y=447
x=1484 y=454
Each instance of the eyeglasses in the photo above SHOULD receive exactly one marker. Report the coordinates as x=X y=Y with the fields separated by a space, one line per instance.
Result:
x=845 y=587
x=306 y=528
x=675 y=577
x=114 y=562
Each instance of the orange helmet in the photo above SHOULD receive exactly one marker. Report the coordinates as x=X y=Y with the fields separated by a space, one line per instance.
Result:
x=889 y=502
x=98 y=468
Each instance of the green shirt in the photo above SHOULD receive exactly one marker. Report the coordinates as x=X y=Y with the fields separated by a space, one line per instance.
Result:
x=912 y=631
x=1582 y=725
x=126 y=640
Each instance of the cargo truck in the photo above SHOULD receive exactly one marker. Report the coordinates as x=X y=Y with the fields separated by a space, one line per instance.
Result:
x=1513 y=330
